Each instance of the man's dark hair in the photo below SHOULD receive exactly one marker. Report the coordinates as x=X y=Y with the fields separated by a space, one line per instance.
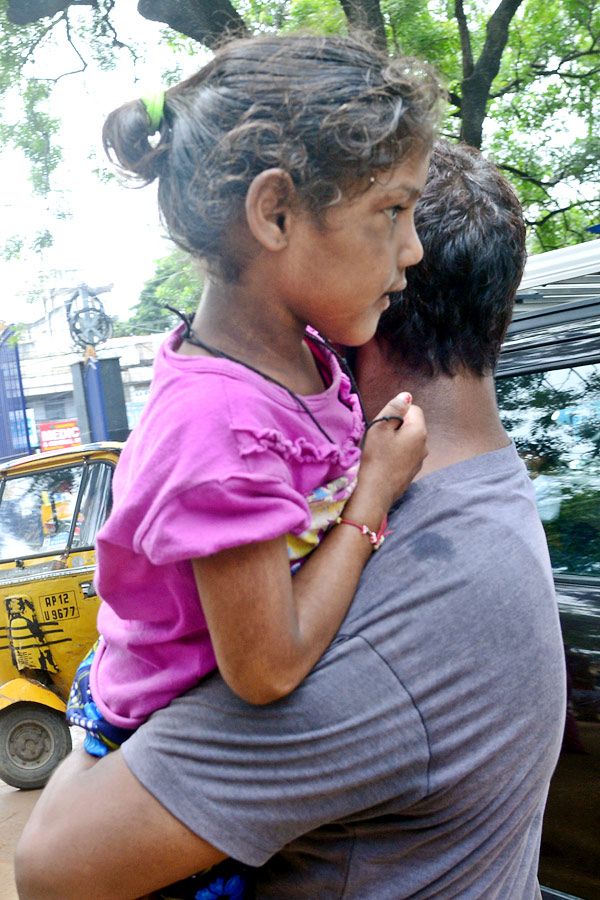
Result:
x=454 y=313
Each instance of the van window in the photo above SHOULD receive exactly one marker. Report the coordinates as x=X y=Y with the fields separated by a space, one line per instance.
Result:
x=554 y=420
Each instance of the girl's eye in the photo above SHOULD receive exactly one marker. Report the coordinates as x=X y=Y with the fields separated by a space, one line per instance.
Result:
x=392 y=212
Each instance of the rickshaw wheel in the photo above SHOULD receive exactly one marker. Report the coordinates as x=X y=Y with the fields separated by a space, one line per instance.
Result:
x=33 y=740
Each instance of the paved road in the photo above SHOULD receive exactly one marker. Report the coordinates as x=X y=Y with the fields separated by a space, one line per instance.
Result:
x=15 y=807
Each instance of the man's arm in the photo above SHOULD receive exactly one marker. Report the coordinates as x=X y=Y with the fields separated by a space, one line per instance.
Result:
x=248 y=779
x=90 y=818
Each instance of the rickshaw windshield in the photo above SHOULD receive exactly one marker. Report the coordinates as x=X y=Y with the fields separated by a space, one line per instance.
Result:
x=37 y=512
x=53 y=512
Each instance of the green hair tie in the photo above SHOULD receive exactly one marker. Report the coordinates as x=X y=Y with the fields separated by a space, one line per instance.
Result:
x=154 y=102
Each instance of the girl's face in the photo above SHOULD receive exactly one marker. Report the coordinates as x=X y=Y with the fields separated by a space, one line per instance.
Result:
x=338 y=277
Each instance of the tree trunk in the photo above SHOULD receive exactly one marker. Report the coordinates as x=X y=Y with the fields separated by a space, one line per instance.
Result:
x=473 y=107
x=366 y=15
x=477 y=78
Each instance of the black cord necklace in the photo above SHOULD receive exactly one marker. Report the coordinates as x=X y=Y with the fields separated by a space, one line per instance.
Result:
x=191 y=337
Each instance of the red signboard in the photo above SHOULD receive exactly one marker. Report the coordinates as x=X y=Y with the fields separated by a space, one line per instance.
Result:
x=56 y=435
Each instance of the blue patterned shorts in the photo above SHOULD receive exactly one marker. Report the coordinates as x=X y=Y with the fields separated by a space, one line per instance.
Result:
x=228 y=880
x=101 y=737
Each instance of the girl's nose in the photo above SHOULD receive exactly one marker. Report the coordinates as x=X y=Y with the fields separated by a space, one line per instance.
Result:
x=411 y=251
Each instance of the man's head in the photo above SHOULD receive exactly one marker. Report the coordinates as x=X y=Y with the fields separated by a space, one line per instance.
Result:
x=453 y=315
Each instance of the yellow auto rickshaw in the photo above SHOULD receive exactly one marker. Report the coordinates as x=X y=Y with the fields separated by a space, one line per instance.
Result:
x=51 y=506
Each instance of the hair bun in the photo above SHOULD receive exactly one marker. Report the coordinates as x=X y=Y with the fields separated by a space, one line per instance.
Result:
x=128 y=138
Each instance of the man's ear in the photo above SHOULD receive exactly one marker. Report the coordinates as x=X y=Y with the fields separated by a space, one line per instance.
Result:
x=268 y=208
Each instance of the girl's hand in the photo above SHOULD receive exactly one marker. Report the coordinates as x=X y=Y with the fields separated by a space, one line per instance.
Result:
x=267 y=629
x=393 y=454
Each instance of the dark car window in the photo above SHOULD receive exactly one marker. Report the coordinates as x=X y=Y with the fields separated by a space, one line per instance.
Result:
x=554 y=419
x=548 y=385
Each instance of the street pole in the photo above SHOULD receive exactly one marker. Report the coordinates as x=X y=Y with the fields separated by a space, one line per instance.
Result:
x=94 y=396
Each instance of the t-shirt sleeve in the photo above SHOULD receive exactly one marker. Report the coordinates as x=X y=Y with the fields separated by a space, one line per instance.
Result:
x=216 y=515
x=219 y=462
x=250 y=780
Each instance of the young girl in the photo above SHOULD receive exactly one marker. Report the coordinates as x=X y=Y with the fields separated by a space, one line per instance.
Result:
x=290 y=165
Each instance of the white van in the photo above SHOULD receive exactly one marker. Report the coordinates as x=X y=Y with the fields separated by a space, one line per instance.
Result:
x=560 y=276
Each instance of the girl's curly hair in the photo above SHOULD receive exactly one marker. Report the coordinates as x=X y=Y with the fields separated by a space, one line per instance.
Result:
x=329 y=110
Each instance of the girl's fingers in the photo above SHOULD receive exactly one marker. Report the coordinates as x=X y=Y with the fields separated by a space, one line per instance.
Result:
x=392 y=415
x=394 y=448
x=398 y=406
x=385 y=436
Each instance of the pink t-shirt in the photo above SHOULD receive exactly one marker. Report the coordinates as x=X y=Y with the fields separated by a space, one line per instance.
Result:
x=221 y=457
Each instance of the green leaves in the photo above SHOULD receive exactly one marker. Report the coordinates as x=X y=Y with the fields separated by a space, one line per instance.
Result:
x=32 y=130
x=176 y=282
x=537 y=118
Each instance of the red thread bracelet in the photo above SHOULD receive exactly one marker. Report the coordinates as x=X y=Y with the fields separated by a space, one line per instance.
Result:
x=376 y=538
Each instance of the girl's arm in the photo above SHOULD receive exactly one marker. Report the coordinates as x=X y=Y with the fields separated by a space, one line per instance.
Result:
x=269 y=629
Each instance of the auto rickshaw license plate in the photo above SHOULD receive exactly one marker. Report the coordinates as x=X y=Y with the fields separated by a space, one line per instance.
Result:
x=57 y=607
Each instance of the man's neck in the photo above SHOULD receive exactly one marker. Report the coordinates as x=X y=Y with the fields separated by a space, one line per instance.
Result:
x=461 y=416
x=461 y=413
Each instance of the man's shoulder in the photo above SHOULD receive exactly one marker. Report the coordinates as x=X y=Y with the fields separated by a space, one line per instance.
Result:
x=466 y=546
x=475 y=471
x=489 y=488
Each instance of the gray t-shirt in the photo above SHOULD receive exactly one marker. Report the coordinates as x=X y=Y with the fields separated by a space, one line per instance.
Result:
x=414 y=760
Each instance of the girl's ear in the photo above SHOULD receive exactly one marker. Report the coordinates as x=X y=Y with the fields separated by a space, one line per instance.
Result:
x=268 y=208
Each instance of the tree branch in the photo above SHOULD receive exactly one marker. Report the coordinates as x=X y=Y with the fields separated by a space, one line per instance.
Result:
x=514 y=86
x=465 y=38
x=205 y=21
x=531 y=179
x=24 y=12
x=476 y=85
x=541 y=71
x=70 y=40
x=111 y=28
x=576 y=204
x=488 y=64
x=43 y=34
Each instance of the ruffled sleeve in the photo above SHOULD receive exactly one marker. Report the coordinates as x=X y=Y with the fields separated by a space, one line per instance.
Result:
x=232 y=461
x=217 y=515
